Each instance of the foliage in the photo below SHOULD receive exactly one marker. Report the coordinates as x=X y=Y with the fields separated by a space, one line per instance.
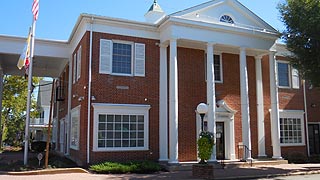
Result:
x=302 y=20
x=14 y=108
x=297 y=157
x=314 y=159
x=129 y=167
x=39 y=146
x=205 y=146
x=55 y=161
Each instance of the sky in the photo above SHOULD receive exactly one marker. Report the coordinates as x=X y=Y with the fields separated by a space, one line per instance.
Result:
x=58 y=17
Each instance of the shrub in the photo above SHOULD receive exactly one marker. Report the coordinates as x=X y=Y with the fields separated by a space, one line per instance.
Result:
x=39 y=146
x=314 y=159
x=297 y=157
x=130 y=167
x=205 y=146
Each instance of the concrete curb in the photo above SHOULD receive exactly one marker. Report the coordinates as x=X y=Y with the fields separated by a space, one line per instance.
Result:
x=49 y=171
x=269 y=175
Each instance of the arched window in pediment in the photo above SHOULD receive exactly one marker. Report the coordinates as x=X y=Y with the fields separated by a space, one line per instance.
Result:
x=226 y=19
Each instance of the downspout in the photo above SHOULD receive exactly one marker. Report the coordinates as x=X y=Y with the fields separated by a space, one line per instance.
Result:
x=306 y=116
x=89 y=93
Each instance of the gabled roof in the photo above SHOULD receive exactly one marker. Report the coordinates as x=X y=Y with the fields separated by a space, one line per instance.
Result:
x=212 y=11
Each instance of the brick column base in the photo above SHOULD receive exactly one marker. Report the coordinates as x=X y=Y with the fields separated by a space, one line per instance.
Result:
x=204 y=171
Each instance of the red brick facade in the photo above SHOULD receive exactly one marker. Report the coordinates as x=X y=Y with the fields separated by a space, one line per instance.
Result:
x=192 y=91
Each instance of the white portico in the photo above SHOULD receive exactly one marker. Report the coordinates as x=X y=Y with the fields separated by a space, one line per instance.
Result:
x=223 y=26
x=50 y=58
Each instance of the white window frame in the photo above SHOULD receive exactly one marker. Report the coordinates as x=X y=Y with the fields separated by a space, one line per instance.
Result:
x=75 y=112
x=227 y=14
x=79 y=59
x=221 y=67
x=138 y=58
x=74 y=74
x=132 y=58
x=290 y=76
x=298 y=114
x=120 y=109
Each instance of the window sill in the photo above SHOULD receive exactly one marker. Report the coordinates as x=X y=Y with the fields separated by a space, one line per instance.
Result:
x=119 y=149
x=74 y=148
x=293 y=144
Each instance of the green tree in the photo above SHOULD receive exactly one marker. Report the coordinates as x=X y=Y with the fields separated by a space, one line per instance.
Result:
x=302 y=21
x=14 y=105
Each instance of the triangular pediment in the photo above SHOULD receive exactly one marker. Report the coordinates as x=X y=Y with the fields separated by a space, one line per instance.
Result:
x=212 y=11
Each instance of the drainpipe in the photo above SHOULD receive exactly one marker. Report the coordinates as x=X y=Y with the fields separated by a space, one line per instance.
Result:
x=89 y=93
x=306 y=116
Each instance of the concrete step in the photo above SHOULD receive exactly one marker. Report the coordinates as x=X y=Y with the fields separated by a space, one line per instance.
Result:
x=187 y=166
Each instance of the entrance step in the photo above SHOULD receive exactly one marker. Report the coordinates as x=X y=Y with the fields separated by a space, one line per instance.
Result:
x=220 y=164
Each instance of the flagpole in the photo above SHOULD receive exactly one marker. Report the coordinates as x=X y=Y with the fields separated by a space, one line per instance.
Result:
x=26 y=136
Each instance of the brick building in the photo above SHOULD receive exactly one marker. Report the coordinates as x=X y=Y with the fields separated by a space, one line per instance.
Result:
x=133 y=88
x=129 y=90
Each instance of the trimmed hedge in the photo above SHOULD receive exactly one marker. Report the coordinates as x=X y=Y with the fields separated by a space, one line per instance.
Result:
x=143 y=167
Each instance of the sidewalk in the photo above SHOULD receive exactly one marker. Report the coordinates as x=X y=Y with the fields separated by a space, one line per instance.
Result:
x=262 y=171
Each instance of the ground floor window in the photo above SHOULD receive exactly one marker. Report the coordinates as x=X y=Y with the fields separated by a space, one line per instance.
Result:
x=75 y=128
x=120 y=127
x=291 y=128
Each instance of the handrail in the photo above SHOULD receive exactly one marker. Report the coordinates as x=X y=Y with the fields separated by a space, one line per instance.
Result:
x=246 y=153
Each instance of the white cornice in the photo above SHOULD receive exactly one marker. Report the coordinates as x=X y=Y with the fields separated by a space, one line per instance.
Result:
x=220 y=27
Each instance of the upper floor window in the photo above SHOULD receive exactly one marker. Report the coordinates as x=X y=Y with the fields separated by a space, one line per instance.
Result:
x=226 y=19
x=288 y=77
x=217 y=68
x=122 y=58
x=77 y=65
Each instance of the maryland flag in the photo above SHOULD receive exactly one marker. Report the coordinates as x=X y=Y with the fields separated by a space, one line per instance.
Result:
x=25 y=55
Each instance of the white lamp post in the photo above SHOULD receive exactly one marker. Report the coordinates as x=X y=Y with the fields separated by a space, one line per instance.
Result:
x=202 y=109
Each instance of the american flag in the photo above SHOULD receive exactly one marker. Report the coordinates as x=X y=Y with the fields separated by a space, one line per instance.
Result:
x=35 y=9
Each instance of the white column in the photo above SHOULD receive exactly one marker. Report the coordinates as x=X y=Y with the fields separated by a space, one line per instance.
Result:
x=274 y=117
x=163 y=100
x=211 y=96
x=173 y=103
x=245 y=111
x=260 y=108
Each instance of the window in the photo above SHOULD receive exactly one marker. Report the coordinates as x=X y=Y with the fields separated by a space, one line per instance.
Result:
x=75 y=128
x=226 y=19
x=217 y=68
x=74 y=68
x=77 y=65
x=283 y=74
x=291 y=128
x=120 y=127
x=288 y=77
x=122 y=58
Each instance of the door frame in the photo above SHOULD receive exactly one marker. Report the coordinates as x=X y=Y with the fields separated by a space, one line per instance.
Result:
x=226 y=115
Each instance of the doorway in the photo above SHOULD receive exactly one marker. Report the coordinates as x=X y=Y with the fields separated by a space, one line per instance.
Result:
x=314 y=138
